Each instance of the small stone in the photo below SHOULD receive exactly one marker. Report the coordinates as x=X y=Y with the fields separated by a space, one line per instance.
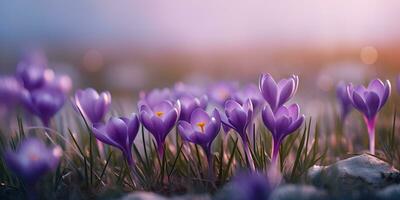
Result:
x=298 y=192
x=363 y=172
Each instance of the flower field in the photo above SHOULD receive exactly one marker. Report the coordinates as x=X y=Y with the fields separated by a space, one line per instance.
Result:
x=224 y=140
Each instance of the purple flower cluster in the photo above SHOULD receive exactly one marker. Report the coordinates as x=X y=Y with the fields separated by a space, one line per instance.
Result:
x=196 y=114
x=185 y=108
x=280 y=120
x=35 y=86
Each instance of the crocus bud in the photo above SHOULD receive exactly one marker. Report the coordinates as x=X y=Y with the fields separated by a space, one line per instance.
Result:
x=92 y=104
x=276 y=94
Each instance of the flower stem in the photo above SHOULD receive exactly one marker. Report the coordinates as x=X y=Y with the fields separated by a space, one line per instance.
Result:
x=275 y=152
x=160 y=150
x=371 y=133
x=210 y=167
x=249 y=156
x=131 y=165
x=210 y=162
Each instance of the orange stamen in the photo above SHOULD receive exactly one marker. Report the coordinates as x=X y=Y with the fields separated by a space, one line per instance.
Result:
x=201 y=125
x=159 y=113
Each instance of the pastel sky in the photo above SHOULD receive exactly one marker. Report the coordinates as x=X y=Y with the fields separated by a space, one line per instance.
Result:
x=201 y=24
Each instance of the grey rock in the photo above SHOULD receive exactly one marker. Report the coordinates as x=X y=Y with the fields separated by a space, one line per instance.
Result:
x=389 y=193
x=298 y=192
x=363 y=172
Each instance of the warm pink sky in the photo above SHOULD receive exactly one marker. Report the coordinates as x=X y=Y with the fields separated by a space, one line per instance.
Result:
x=201 y=24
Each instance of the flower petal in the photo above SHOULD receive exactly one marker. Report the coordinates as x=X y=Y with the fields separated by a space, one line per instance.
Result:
x=286 y=90
x=269 y=90
x=268 y=118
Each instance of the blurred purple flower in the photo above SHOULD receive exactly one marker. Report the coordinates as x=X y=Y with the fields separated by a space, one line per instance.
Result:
x=251 y=92
x=369 y=101
x=244 y=186
x=32 y=160
x=221 y=92
x=10 y=90
x=62 y=82
x=92 y=104
x=44 y=103
x=189 y=103
x=281 y=123
x=240 y=118
x=155 y=96
x=31 y=75
x=181 y=89
x=276 y=94
x=344 y=100
x=159 y=120
x=202 y=128
x=120 y=133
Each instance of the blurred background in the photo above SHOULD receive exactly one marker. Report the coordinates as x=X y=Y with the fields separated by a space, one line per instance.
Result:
x=126 y=46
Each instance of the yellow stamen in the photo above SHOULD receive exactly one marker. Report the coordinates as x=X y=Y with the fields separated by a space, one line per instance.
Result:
x=159 y=113
x=201 y=125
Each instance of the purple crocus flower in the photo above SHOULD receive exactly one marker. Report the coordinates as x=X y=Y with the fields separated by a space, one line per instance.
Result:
x=344 y=100
x=44 y=103
x=10 y=90
x=240 y=117
x=92 y=104
x=189 y=103
x=62 y=82
x=155 y=96
x=32 y=160
x=276 y=94
x=202 y=129
x=120 y=133
x=398 y=84
x=251 y=92
x=281 y=123
x=221 y=92
x=244 y=186
x=369 y=101
x=31 y=75
x=159 y=120
x=181 y=89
